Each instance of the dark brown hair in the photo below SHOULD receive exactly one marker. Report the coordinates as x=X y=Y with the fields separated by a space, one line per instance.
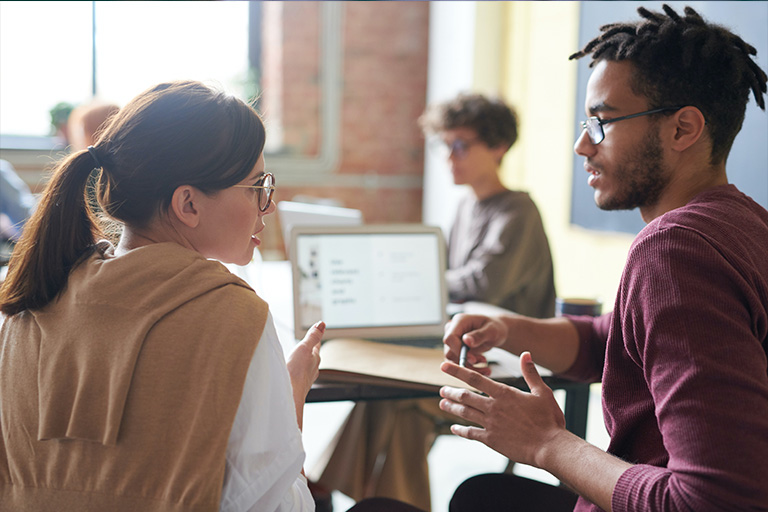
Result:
x=684 y=60
x=176 y=133
x=494 y=121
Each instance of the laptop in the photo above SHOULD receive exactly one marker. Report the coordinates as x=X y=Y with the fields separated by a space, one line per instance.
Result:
x=293 y=213
x=377 y=282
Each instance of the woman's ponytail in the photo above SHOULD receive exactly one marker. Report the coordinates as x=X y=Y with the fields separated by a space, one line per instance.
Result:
x=172 y=134
x=60 y=232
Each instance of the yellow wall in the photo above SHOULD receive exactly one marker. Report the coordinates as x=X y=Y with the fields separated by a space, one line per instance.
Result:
x=522 y=53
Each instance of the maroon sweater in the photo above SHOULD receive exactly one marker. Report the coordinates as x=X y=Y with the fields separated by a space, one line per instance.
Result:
x=683 y=360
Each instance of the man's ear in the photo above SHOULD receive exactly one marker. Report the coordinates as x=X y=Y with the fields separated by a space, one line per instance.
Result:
x=185 y=205
x=689 y=127
x=499 y=152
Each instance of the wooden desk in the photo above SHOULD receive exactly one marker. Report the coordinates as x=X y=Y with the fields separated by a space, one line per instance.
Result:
x=337 y=391
x=273 y=282
x=576 y=397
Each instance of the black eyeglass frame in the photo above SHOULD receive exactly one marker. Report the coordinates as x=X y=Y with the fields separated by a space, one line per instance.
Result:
x=459 y=147
x=591 y=124
x=269 y=188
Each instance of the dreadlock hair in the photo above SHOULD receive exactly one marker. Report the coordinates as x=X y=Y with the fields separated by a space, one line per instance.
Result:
x=494 y=121
x=682 y=61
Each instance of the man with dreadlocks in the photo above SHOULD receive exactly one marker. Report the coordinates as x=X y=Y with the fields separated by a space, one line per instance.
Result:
x=683 y=356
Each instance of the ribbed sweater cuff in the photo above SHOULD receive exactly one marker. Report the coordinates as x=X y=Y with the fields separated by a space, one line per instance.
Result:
x=633 y=491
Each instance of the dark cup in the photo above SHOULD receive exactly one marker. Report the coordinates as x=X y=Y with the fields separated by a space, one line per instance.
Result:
x=578 y=306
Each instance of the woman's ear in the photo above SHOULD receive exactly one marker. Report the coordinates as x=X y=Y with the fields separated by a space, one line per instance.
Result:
x=689 y=127
x=185 y=205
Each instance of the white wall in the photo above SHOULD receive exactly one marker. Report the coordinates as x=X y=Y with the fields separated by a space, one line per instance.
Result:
x=521 y=49
x=451 y=70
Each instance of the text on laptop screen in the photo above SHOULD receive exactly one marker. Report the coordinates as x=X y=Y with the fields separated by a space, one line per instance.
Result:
x=362 y=280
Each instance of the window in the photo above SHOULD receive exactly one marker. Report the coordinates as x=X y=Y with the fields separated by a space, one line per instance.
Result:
x=47 y=53
x=68 y=52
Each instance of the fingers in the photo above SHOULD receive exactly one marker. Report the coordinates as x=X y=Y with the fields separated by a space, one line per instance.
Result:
x=304 y=362
x=451 y=342
x=465 y=397
x=305 y=357
x=473 y=433
x=478 y=363
x=485 y=334
x=314 y=335
x=459 y=327
x=463 y=403
x=531 y=375
x=476 y=331
x=472 y=377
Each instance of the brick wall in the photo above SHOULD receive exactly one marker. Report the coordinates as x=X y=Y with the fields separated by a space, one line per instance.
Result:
x=384 y=91
x=383 y=87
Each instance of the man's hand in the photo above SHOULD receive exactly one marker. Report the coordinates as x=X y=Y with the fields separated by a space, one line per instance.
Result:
x=480 y=334
x=514 y=423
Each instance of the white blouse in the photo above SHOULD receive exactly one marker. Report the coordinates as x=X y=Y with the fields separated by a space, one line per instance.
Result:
x=265 y=453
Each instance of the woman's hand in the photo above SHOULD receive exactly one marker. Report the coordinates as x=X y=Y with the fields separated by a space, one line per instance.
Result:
x=304 y=366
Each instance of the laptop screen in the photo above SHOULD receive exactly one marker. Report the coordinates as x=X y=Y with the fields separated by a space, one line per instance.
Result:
x=369 y=281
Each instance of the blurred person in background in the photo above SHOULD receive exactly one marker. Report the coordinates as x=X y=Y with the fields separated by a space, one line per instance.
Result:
x=86 y=121
x=16 y=205
x=498 y=254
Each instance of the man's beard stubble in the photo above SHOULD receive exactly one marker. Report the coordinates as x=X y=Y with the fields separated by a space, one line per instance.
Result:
x=641 y=177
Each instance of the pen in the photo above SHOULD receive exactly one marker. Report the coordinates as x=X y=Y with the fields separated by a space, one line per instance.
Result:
x=463 y=355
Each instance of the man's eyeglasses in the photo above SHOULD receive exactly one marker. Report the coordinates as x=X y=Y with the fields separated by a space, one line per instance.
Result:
x=594 y=125
x=265 y=187
x=458 y=147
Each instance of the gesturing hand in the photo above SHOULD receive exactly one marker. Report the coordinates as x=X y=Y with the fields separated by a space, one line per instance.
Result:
x=304 y=361
x=514 y=423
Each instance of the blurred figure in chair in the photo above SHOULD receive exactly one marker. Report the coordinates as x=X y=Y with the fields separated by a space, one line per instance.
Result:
x=498 y=253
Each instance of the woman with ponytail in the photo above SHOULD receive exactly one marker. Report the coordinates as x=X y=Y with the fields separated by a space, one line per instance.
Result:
x=144 y=375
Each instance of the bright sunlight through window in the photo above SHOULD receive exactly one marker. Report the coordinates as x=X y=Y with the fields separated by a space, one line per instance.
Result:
x=46 y=53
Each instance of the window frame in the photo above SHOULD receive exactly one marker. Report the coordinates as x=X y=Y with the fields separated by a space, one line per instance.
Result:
x=38 y=151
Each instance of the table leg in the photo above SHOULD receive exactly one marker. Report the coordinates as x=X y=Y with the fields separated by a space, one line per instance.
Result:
x=576 y=409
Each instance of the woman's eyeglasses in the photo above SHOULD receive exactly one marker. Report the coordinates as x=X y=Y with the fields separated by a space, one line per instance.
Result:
x=265 y=187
